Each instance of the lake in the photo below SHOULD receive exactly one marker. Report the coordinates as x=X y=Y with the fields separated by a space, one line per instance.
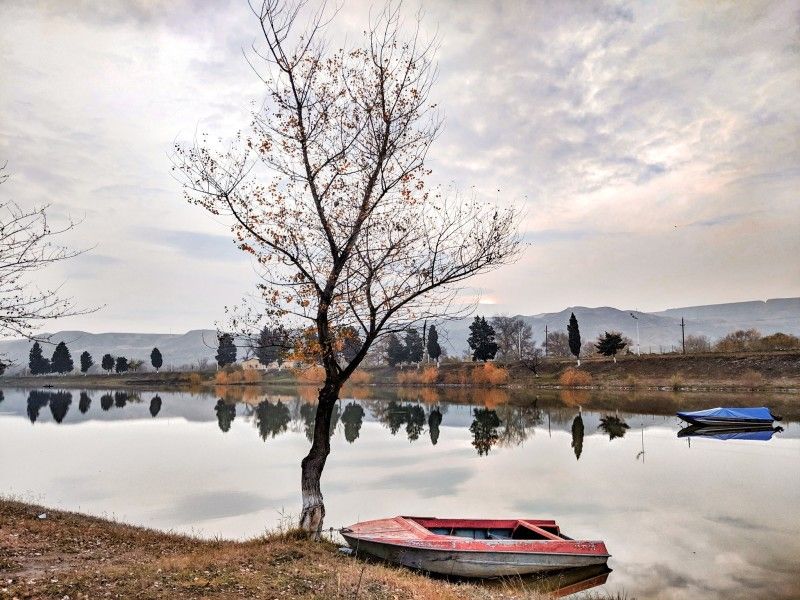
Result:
x=683 y=517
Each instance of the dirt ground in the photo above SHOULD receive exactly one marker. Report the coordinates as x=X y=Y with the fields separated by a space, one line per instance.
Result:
x=70 y=556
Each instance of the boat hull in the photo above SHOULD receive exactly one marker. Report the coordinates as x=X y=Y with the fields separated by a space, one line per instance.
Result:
x=473 y=564
x=719 y=422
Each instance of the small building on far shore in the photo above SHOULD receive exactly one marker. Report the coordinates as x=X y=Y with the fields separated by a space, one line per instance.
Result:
x=253 y=364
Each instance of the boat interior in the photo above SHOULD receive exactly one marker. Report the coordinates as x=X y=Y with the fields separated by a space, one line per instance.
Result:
x=494 y=530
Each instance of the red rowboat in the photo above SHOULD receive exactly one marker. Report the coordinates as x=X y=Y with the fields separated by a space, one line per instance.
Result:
x=473 y=547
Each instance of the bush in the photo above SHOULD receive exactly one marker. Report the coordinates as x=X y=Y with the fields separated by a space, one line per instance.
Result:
x=489 y=374
x=195 y=379
x=237 y=377
x=426 y=376
x=359 y=377
x=575 y=377
x=311 y=375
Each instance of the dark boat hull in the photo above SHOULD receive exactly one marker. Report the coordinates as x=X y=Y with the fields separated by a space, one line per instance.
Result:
x=473 y=564
x=721 y=422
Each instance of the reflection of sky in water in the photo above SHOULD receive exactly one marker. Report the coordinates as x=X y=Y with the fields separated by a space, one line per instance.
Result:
x=714 y=519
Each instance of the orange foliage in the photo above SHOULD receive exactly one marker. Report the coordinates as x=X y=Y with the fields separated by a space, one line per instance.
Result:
x=310 y=375
x=237 y=377
x=360 y=378
x=575 y=377
x=493 y=398
x=489 y=374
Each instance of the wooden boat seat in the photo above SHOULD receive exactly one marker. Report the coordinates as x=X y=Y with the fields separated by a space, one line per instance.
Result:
x=526 y=531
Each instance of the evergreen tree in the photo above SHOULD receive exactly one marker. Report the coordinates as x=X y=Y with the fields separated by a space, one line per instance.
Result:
x=84 y=403
x=481 y=340
x=121 y=364
x=574 y=337
x=351 y=343
x=484 y=430
x=86 y=361
x=414 y=348
x=271 y=345
x=156 y=359
x=107 y=363
x=37 y=363
x=226 y=351
x=62 y=359
x=395 y=351
x=434 y=420
x=433 y=348
x=610 y=343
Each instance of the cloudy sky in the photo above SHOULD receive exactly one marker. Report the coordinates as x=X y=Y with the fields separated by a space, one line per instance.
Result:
x=654 y=146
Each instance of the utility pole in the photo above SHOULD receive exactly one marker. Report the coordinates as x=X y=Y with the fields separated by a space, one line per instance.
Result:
x=519 y=342
x=638 y=347
x=545 y=341
x=683 y=335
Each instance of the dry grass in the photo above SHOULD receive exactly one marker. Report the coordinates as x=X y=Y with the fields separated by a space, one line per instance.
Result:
x=360 y=377
x=237 y=377
x=312 y=375
x=752 y=379
x=676 y=381
x=426 y=376
x=572 y=377
x=70 y=555
x=489 y=374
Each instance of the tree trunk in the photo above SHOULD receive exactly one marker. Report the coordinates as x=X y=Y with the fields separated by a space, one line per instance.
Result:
x=313 y=511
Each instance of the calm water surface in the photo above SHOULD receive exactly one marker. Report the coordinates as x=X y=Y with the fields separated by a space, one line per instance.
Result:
x=683 y=518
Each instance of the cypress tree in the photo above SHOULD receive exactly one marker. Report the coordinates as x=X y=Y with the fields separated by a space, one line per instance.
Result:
x=62 y=359
x=414 y=348
x=481 y=340
x=37 y=363
x=434 y=350
x=107 y=363
x=156 y=359
x=574 y=337
x=395 y=351
x=86 y=361
x=226 y=351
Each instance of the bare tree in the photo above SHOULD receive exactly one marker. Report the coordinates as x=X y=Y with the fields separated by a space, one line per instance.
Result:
x=327 y=190
x=27 y=246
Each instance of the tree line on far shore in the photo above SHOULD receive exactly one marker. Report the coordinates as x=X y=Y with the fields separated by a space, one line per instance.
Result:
x=61 y=361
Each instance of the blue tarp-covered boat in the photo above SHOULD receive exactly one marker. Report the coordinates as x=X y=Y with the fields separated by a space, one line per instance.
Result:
x=730 y=416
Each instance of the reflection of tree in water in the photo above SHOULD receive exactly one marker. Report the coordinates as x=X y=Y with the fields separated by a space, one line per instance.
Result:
x=84 y=403
x=59 y=405
x=434 y=420
x=226 y=413
x=121 y=399
x=394 y=415
x=613 y=426
x=2 y=396
x=309 y=414
x=577 y=436
x=484 y=430
x=155 y=405
x=518 y=423
x=106 y=401
x=352 y=418
x=272 y=419
x=37 y=400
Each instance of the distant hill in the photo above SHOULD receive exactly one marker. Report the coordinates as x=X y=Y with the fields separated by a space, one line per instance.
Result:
x=177 y=349
x=658 y=330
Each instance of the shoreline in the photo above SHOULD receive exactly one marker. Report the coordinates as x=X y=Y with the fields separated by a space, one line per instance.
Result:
x=67 y=554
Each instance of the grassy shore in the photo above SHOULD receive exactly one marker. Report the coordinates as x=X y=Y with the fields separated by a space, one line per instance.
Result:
x=67 y=555
x=777 y=371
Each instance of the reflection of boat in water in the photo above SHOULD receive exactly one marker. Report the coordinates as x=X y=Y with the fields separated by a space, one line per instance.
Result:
x=571 y=581
x=474 y=547
x=723 y=432
x=730 y=416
